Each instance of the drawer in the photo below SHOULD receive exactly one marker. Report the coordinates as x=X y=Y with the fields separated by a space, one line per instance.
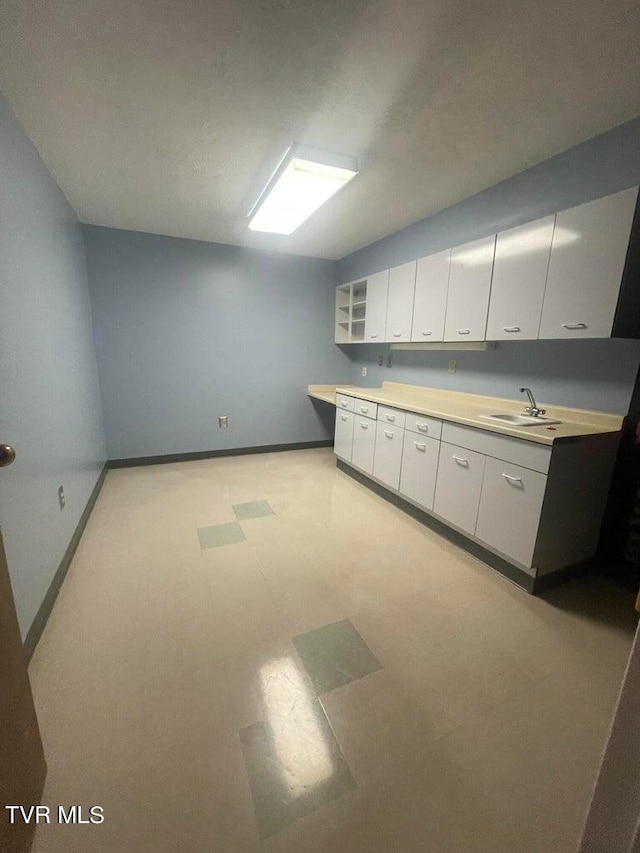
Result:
x=419 y=468
x=344 y=402
x=510 y=509
x=364 y=442
x=388 y=456
x=458 y=486
x=430 y=427
x=365 y=408
x=395 y=417
x=528 y=454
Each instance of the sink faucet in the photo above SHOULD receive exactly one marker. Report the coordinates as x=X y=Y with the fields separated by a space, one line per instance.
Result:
x=532 y=409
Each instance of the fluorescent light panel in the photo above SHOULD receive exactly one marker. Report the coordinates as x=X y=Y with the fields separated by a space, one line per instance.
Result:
x=299 y=187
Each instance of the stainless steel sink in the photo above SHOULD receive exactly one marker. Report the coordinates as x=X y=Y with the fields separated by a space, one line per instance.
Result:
x=520 y=420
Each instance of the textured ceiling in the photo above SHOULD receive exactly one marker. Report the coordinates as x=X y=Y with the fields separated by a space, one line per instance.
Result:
x=168 y=116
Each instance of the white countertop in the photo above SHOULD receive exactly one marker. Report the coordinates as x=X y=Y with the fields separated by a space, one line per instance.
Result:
x=466 y=409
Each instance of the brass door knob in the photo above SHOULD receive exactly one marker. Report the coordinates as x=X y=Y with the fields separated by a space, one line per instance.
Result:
x=7 y=455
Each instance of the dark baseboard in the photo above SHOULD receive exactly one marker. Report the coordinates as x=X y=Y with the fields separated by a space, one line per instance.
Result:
x=37 y=626
x=511 y=572
x=135 y=461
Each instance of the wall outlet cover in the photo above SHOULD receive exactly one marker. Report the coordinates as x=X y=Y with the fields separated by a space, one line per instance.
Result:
x=379 y=361
x=223 y=422
x=453 y=364
x=364 y=371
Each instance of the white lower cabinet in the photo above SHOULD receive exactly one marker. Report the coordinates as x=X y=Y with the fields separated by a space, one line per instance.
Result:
x=343 y=441
x=419 y=468
x=458 y=486
x=388 y=458
x=510 y=509
x=364 y=442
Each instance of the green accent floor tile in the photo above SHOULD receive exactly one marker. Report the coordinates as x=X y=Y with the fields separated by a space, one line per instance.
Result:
x=335 y=655
x=294 y=764
x=221 y=534
x=252 y=509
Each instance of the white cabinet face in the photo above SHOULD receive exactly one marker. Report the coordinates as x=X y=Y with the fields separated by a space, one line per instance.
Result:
x=458 y=486
x=376 y=311
x=419 y=467
x=430 y=304
x=469 y=288
x=402 y=282
x=510 y=509
x=585 y=268
x=364 y=442
x=519 y=277
x=344 y=434
x=388 y=457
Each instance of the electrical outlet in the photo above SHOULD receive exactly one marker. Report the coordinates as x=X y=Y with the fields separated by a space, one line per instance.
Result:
x=223 y=423
x=452 y=365
x=364 y=371
x=61 y=498
x=379 y=361
x=389 y=360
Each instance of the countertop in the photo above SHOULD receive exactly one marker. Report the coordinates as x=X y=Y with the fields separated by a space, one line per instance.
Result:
x=466 y=409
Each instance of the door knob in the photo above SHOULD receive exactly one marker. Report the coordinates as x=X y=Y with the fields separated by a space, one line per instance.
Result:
x=7 y=455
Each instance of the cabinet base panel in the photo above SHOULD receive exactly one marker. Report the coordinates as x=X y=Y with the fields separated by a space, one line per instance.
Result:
x=512 y=573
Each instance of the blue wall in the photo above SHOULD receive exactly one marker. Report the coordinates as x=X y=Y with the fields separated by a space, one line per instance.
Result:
x=591 y=374
x=49 y=396
x=186 y=331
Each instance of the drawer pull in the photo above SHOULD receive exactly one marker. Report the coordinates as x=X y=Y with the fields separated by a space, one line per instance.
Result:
x=390 y=418
x=511 y=328
x=461 y=461
x=344 y=418
x=464 y=331
x=364 y=425
x=511 y=479
x=422 y=427
x=344 y=403
x=397 y=334
x=426 y=332
x=373 y=335
x=364 y=409
x=420 y=445
x=574 y=325
x=388 y=433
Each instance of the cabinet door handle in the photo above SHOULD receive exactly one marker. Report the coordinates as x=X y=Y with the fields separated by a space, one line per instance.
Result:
x=574 y=325
x=388 y=433
x=511 y=328
x=344 y=403
x=344 y=418
x=390 y=418
x=420 y=446
x=464 y=331
x=461 y=461
x=397 y=334
x=427 y=332
x=509 y=478
x=423 y=427
x=364 y=425
x=374 y=335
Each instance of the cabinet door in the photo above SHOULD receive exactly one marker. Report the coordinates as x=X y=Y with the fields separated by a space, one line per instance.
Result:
x=458 y=486
x=364 y=442
x=469 y=288
x=419 y=467
x=430 y=303
x=388 y=456
x=510 y=509
x=519 y=276
x=585 y=268
x=343 y=440
x=402 y=283
x=376 y=309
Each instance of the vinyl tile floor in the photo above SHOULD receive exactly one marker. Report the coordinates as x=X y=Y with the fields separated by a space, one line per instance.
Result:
x=316 y=671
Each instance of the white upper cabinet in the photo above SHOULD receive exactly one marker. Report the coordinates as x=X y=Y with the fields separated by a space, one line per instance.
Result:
x=469 y=288
x=402 y=282
x=430 y=305
x=585 y=269
x=376 y=313
x=519 y=277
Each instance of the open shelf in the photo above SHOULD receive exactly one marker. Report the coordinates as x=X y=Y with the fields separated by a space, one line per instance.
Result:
x=351 y=309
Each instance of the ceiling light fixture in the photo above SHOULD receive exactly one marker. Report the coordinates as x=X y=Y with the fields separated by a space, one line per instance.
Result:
x=302 y=182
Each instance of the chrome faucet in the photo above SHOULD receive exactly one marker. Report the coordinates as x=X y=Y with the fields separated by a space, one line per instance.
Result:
x=532 y=409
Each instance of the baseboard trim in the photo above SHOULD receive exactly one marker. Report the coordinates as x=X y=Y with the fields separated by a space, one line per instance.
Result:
x=44 y=611
x=134 y=462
